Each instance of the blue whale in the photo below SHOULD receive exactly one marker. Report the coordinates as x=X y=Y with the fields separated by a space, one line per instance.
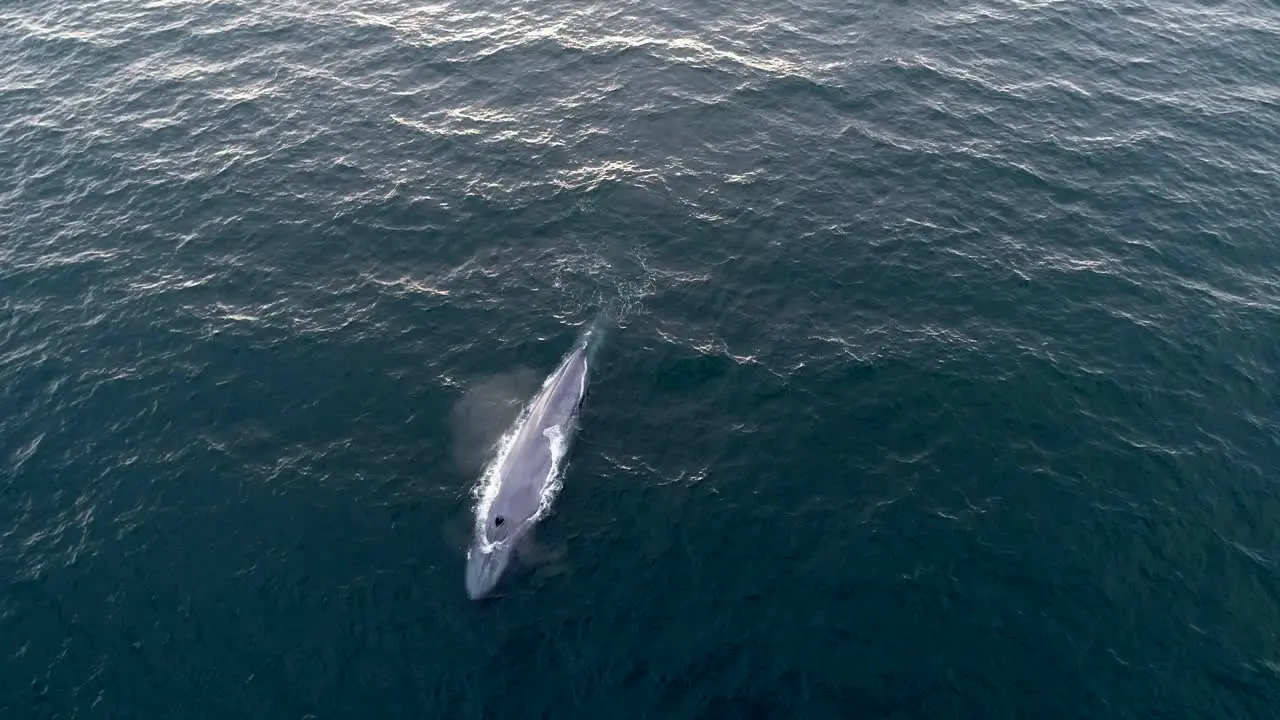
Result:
x=519 y=485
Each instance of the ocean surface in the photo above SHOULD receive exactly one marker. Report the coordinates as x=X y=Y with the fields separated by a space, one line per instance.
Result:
x=941 y=370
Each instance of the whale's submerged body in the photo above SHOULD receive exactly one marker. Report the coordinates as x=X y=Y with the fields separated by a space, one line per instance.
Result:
x=520 y=484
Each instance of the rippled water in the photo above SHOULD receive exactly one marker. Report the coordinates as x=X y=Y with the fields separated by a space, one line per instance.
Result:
x=942 y=379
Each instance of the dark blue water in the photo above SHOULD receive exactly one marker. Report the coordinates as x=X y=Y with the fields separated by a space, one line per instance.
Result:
x=942 y=377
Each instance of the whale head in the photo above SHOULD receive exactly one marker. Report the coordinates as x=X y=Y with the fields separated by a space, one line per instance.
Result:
x=485 y=565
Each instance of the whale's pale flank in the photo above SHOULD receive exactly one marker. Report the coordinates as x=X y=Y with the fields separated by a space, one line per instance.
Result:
x=518 y=486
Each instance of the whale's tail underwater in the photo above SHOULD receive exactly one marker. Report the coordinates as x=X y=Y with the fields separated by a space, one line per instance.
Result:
x=517 y=488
